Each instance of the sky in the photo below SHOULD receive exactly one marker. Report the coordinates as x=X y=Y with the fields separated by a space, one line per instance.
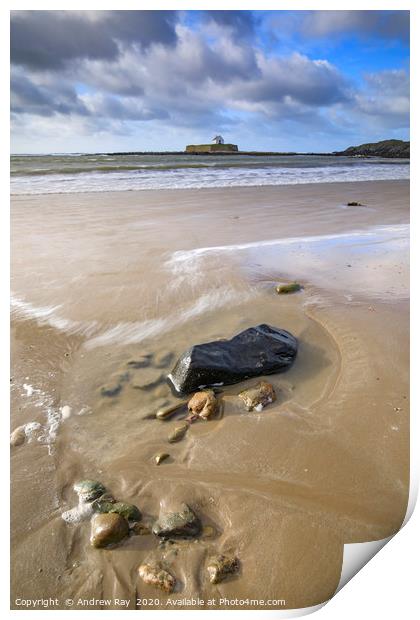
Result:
x=305 y=81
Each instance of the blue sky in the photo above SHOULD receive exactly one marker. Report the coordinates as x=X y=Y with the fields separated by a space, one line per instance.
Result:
x=90 y=81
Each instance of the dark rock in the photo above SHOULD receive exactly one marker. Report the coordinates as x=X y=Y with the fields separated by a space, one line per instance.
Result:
x=182 y=524
x=260 y=350
x=354 y=203
x=107 y=529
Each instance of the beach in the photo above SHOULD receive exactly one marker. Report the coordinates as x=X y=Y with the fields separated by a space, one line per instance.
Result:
x=100 y=278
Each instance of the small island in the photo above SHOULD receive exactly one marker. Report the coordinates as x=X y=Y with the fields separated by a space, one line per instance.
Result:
x=217 y=146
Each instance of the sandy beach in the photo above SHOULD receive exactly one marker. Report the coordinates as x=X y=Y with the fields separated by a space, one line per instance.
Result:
x=99 y=279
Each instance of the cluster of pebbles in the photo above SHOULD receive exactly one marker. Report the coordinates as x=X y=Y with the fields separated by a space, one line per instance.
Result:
x=113 y=521
x=248 y=354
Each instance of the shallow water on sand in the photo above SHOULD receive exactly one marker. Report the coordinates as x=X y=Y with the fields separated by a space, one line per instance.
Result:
x=99 y=281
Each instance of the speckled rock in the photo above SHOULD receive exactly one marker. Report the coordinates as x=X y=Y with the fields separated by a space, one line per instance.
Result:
x=220 y=566
x=258 y=396
x=155 y=575
x=88 y=490
x=108 y=529
x=181 y=524
x=203 y=405
x=128 y=511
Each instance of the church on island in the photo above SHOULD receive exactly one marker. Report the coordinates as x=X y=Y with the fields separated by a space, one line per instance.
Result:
x=217 y=145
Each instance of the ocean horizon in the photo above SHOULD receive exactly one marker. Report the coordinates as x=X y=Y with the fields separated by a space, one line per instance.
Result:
x=79 y=173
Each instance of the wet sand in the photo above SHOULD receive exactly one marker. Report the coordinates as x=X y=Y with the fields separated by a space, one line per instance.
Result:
x=99 y=279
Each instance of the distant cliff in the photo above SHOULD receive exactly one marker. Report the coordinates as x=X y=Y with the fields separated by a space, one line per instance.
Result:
x=385 y=148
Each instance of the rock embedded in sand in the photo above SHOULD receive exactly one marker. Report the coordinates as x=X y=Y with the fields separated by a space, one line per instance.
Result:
x=178 y=433
x=203 y=405
x=354 y=203
x=155 y=575
x=258 y=396
x=115 y=386
x=111 y=390
x=163 y=413
x=142 y=361
x=181 y=524
x=18 y=436
x=220 y=566
x=160 y=457
x=285 y=289
x=260 y=350
x=88 y=490
x=108 y=529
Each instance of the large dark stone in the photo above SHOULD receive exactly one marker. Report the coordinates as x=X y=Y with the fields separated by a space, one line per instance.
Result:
x=261 y=350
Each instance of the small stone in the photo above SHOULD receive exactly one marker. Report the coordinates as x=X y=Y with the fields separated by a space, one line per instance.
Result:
x=354 y=203
x=163 y=413
x=203 y=405
x=141 y=362
x=111 y=390
x=107 y=529
x=284 y=289
x=18 y=436
x=66 y=412
x=161 y=457
x=140 y=529
x=115 y=386
x=209 y=531
x=259 y=396
x=178 y=433
x=88 y=490
x=128 y=511
x=182 y=524
x=220 y=566
x=155 y=575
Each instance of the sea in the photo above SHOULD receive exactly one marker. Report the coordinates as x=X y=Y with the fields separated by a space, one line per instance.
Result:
x=80 y=172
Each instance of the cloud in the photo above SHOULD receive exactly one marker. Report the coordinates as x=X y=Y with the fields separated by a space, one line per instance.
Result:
x=43 y=40
x=56 y=98
x=240 y=23
x=119 y=71
x=390 y=24
x=385 y=97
